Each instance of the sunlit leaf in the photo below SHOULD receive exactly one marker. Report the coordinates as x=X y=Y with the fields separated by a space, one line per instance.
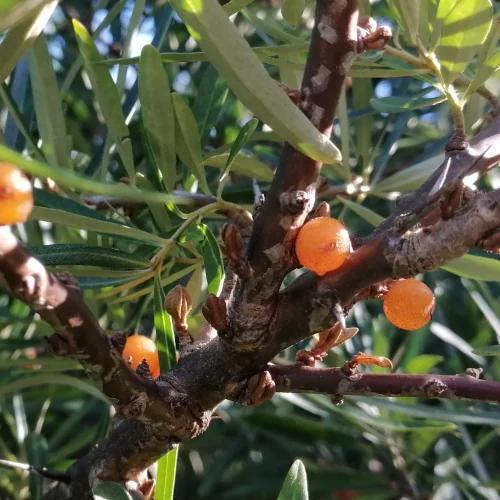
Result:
x=463 y=32
x=247 y=78
x=158 y=112
x=295 y=485
x=292 y=11
x=21 y=37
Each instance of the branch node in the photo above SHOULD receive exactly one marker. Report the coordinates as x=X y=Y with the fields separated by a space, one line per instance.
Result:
x=135 y=408
x=295 y=202
x=118 y=341
x=474 y=372
x=178 y=304
x=338 y=399
x=260 y=388
x=58 y=345
x=370 y=37
x=435 y=387
x=457 y=143
x=215 y=312
x=233 y=249
x=491 y=242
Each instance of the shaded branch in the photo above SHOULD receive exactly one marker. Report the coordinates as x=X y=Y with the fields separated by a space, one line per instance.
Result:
x=334 y=381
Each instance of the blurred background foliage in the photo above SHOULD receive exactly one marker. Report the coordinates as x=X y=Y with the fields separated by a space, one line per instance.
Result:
x=368 y=448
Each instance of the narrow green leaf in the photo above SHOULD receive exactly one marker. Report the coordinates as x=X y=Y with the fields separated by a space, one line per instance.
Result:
x=295 y=484
x=243 y=136
x=292 y=11
x=188 y=140
x=484 y=72
x=165 y=337
x=49 y=112
x=492 y=350
x=396 y=104
x=158 y=212
x=444 y=7
x=423 y=363
x=110 y=491
x=464 y=31
x=211 y=96
x=242 y=164
x=247 y=78
x=87 y=255
x=365 y=213
x=212 y=259
x=475 y=267
x=408 y=16
x=14 y=11
x=52 y=379
x=21 y=37
x=37 y=455
x=410 y=178
x=64 y=178
x=165 y=477
x=158 y=112
x=88 y=224
x=107 y=95
x=236 y=5
x=426 y=18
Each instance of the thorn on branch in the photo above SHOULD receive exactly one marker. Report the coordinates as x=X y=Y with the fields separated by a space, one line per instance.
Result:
x=260 y=388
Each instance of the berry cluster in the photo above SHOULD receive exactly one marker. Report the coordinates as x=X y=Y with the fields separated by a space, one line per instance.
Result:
x=323 y=245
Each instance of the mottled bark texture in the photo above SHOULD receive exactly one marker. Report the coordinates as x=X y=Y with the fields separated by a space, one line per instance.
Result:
x=233 y=363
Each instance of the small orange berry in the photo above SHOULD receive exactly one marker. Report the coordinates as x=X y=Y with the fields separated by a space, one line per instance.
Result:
x=409 y=304
x=322 y=245
x=16 y=195
x=138 y=348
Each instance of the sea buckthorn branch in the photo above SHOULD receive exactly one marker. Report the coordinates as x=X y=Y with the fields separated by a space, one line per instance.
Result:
x=333 y=48
x=335 y=42
x=334 y=381
x=481 y=155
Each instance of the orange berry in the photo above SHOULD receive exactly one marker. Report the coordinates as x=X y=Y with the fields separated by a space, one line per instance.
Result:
x=138 y=348
x=322 y=245
x=16 y=195
x=409 y=304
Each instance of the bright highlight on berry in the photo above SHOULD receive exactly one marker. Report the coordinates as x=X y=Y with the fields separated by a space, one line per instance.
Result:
x=322 y=245
x=409 y=304
x=16 y=195
x=139 y=347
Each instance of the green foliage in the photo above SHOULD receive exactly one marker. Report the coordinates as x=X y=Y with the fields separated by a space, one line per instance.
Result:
x=180 y=122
